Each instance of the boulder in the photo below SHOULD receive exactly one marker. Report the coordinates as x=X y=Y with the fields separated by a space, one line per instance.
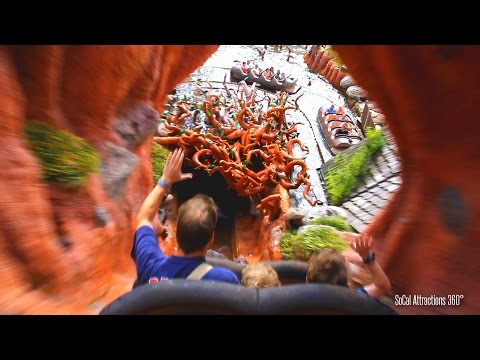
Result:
x=347 y=81
x=356 y=92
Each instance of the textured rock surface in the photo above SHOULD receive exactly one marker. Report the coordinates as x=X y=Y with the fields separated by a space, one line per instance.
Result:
x=118 y=165
x=58 y=251
x=427 y=237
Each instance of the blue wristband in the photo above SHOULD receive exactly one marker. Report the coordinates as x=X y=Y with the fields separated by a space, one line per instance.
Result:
x=163 y=184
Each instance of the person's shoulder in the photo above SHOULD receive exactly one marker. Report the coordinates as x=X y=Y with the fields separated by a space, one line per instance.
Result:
x=144 y=230
x=227 y=275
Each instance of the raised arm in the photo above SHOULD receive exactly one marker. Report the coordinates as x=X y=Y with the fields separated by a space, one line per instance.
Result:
x=381 y=285
x=172 y=173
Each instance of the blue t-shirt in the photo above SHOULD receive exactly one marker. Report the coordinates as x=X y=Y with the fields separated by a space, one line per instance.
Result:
x=152 y=263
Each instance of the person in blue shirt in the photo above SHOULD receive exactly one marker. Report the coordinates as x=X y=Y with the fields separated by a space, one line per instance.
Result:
x=329 y=266
x=330 y=110
x=196 y=222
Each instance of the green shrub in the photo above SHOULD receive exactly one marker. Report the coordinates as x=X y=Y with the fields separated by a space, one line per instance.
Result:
x=317 y=238
x=301 y=246
x=66 y=159
x=336 y=59
x=350 y=168
x=286 y=244
x=334 y=221
x=158 y=157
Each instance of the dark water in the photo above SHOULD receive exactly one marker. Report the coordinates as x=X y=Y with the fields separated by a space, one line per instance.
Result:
x=318 y=94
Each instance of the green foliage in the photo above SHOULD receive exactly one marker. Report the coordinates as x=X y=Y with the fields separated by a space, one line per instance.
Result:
x=334 y=221
x=350 y=168
x=336 y=59
x=286 y=244
x=317 y=238
x=301 y=246
x=66 y=159
x=158 y=157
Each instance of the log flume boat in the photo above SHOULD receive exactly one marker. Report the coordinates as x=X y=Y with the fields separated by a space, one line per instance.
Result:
x=210 y=297
x=331 y=124
x=236 y=74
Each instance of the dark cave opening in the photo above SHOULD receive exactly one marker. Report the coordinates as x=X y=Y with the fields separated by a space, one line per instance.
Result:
x=228 y=202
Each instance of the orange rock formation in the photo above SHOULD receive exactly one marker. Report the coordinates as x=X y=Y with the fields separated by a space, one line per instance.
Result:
x=62 y=249
x=428 y=235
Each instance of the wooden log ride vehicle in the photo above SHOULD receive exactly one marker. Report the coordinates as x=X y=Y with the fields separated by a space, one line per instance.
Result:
x=331 y=125
x=236 y=74
x=180 y=296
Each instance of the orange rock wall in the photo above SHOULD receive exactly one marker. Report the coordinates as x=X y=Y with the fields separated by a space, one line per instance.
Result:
x=54 y=255
x=428 y=236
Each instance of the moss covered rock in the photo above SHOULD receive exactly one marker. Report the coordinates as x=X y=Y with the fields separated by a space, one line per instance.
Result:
x=301 y=245
x=349 y=168
x=66 y=159
x=159 y=157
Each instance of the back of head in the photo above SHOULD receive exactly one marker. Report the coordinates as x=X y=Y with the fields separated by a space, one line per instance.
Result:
x=327 y=266
x=196 y=222
x=260 y=276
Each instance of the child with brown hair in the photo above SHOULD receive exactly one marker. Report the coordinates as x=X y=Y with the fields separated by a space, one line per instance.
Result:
x=329 y=266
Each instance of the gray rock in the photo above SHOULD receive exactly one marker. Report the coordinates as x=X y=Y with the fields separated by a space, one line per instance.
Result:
x=356 y=92
x=347 y=81
x=337 y=211
x=313 y=213
x=135 y=123
x=102 y=217
x=117 y=167
x=294 y=218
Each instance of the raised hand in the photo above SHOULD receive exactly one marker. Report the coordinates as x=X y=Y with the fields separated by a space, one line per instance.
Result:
x=362 y=245
x=172 y=172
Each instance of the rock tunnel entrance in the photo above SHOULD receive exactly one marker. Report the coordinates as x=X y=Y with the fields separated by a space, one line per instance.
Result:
x=230 y=207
